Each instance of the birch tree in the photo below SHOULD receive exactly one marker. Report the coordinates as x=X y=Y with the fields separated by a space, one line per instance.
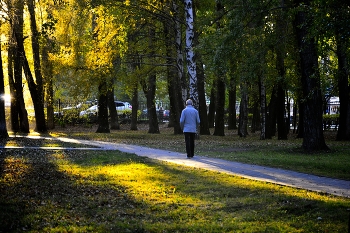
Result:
x=190 y=54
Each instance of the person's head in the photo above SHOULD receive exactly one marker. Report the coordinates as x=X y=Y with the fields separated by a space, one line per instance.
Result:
x=189 y=102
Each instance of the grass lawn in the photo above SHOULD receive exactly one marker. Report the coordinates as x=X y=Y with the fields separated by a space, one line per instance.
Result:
x=286 y=154
x=110 y=191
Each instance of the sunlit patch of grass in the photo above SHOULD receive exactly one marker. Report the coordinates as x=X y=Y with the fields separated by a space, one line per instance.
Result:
x=13 y=170
x=11 y=143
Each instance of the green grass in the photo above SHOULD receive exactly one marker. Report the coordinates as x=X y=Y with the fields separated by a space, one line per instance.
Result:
x=110 y=191
x=286 y=154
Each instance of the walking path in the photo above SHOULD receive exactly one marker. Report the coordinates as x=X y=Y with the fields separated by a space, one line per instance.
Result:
x=267 y=174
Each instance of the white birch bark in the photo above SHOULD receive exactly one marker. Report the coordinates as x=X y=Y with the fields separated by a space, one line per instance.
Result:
x=190 y=55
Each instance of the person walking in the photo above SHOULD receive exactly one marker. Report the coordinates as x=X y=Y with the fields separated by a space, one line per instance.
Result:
x=189 y=121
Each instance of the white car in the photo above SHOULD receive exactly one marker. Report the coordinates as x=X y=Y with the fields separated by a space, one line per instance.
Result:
x=120 y=106
x=90 y=111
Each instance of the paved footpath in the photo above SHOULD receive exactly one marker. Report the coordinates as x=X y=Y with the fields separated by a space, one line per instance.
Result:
x=273 y=175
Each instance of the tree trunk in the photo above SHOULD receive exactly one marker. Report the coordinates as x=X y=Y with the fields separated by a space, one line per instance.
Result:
x=135 y=106
x=152 y=114
x=280 y=116
x=199 y=89
x=3 y=128
x=219 y=129
x=262 y=108
x=35 y=93
x=344 y=95
x=243 y=113
x=19 y=115
x=190 y=54
x=295 y=116
x=47 y=74
x=271 y=116
x=36 y=89
x=103 y=126
x=14 y=109
x=179 y=56
x=176 y=104
x=256 y=116
x=151 y=90
x=174 y=73
x=310 y=78
x=114 y=123
x=212 y=105
x=36 y=49
x=204 y=126
x=232 y=114
x=300 y=130
x=280 y=67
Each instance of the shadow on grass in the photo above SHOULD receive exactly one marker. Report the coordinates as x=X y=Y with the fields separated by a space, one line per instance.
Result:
x=36 y=196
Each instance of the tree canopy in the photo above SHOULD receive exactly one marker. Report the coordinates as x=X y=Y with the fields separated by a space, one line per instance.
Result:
x=250 y=59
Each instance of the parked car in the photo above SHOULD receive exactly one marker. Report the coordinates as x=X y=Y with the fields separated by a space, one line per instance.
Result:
x=165 y=115
x=90 y=111
x=120 y=106
x=67 y=109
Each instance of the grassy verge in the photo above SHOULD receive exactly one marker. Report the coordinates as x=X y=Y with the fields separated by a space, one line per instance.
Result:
x=284 y=154
x=98 y=191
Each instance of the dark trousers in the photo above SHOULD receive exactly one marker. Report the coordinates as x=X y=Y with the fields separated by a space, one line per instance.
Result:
x=189 y=140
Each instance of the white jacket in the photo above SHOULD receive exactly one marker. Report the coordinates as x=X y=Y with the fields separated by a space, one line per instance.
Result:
x=189 y=120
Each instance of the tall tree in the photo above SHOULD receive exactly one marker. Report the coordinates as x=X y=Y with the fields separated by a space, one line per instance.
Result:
x=114 y=123
x=221 y=86
x=340 y=20
x=202 y=104
x=263 y=120
x=19 y=114
x=179 y=51
x=35 y=87
x=212 y=104
x=174 y=64
x=344 y=90
x=135 y=104
x=190 y=54
x=3 y=128
x=36 y=97
x=47 y=48
x=204 y=125
x=281 y=70
x=48 y=76
x=103 y=86
x=232 y=92
x=103 y=126
x=313 y=139
x=243 y=112
x=151 y=87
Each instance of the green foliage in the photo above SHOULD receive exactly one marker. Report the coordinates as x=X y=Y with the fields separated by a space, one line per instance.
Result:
x=332 y=117
x=68 y=117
